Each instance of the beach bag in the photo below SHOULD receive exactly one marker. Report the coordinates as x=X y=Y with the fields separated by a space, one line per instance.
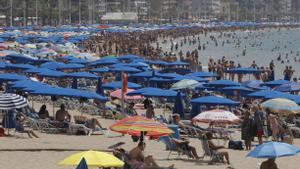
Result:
x=235 y=145
x=2 y=134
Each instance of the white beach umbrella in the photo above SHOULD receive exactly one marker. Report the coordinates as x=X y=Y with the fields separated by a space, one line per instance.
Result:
x=217 y=116
x=184 y=84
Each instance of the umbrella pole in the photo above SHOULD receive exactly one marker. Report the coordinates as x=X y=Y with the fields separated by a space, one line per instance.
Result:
x=32 y=103
x=7 y=121
x=53 y=110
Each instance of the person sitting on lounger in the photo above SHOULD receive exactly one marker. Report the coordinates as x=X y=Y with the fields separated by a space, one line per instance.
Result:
x=20 y=119
x=139 y=161
x=184 y=144
x=43 y=113
x=62 y=115
x=216 y=148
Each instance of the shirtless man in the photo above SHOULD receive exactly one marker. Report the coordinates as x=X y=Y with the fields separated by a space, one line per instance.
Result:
x=137 y=158
x=62 y=115
x=269 y=164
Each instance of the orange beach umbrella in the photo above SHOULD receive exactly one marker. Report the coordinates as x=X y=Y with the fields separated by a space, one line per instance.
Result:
x=137 y=124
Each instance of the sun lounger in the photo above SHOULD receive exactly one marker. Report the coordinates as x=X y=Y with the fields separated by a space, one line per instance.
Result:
x=75 y=128
x=43 y=125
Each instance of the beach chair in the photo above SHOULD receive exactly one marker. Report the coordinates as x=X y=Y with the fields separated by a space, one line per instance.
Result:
x=43 y=125
x=75 y=128
x=214 y=157
x=172 y=146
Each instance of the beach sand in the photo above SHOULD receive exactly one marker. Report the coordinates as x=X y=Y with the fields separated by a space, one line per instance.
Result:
x=45 y=152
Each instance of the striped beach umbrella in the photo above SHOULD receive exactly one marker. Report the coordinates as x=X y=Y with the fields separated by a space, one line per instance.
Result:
x=137 y=124
x=281 y=105
x=10 y=101
x=217 y=116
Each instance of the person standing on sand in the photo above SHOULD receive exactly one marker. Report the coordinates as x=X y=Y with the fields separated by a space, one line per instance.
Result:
x=248 y=131
x=259 y=121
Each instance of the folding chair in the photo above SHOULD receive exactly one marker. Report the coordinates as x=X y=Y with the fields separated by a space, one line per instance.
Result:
x=172 y=146
x=214 y=156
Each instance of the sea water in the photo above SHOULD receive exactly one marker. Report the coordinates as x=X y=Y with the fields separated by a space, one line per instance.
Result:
x=259 y=45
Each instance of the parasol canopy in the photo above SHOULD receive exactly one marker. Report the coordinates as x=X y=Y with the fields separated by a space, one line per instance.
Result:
x=137 y=124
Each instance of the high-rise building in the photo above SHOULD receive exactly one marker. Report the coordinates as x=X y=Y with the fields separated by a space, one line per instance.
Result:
x=113 y=5
x=141 y=7
x=206 y=9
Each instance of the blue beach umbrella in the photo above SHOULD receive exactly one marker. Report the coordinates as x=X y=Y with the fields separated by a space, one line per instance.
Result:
x=237 y=88
x=125 y=69
x=11 y=77
x=82 y=164
x=244 y=71
x=288 y=87
x=214 y=101
x=222 y=83
x=157 y=79
x=141 y=91
x=100 y=70
x=85 y=75
x=158 y=62
x=203 y=74
x=167 y=75
x=252 y=83
x=51 y=73
x=145 y=74
x=275 y=83
x=160 y=93
x=105 y=62
x=199 y=79
x=273 y=150
x=20 y=66
x=118 y=85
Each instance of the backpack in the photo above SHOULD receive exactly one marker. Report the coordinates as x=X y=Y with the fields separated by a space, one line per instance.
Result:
x=235 y=145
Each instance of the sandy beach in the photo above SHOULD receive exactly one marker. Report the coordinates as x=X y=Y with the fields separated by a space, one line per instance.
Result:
x=21 y=152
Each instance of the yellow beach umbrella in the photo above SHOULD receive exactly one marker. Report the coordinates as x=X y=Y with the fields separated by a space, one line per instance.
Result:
x=93 y=159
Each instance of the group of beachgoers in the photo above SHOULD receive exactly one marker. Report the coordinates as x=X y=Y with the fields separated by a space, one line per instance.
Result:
x=149 y=45
x=62 y=119
x=256 y=122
